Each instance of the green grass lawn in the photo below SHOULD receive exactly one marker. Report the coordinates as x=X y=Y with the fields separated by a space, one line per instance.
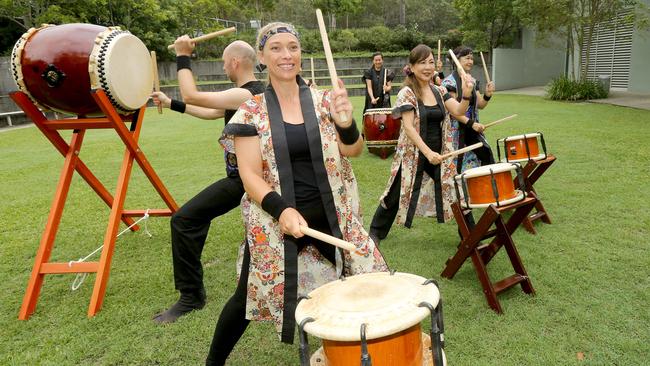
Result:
x=590 y=268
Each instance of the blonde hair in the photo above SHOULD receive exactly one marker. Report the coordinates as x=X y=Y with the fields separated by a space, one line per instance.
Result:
x=268 y=30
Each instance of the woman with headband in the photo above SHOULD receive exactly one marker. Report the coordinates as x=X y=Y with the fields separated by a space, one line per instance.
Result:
x=292 y=150
x=421 y=183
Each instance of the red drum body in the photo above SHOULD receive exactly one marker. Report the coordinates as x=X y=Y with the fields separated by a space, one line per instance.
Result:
x=374 y=314
x=57 y=66
x=489 y=185
x=521 y=148
x=380 y=131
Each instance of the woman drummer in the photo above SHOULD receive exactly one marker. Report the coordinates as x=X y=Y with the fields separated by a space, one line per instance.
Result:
x=292 y=150
x=421 y=182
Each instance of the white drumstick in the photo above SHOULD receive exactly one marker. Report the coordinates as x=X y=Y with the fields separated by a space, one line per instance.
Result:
x=328 y=57
x=156 y=80
x=328 y=238
x=500 y=120
x=461 y=71
x=205 y=37
x=487 y=75
x=461 y=151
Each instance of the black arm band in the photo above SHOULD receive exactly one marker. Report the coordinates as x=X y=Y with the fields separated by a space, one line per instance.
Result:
x=349 y=135
x=183 y=62
x=470 y=123
x=487 y=98
x=177 y=106
x=274 y=204
x=467 y=98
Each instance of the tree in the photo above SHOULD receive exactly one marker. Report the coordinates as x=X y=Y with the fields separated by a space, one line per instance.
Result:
x=487 y=24
x=576 y=20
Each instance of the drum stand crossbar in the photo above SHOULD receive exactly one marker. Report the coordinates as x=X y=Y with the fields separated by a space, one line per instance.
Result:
x=531 y=173
x=481 y=254
x=73 y=163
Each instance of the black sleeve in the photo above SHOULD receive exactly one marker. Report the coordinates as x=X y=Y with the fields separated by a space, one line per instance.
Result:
x=441 y=75
x=446 y=97
x=450 y=88
x=366 y=76
x=238 y=129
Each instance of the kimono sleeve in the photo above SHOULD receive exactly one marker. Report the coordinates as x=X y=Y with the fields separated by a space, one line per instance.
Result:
x=406 y=101
x=244 y=123
x=450 y=83
x=366 y=76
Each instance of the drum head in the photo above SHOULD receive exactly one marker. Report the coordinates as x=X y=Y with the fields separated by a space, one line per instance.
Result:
x=123 y=69
x=485 y=170
x=386 y=303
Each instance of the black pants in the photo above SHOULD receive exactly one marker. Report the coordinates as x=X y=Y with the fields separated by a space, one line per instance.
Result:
x=232 y=322
x=384 y=217
x=190 y=225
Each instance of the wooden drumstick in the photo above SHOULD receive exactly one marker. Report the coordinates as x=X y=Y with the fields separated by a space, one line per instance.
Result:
x=461 y=151
x=328 y=238
x=156 y=80
x=500 y=120
x=439 y=50
x=385 y=74
x=487 y=75
x=313 y=79
x=205 y=37
x=461 y=71
x=328 y=57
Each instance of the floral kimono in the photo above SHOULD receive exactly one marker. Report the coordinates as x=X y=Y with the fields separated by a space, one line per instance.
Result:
x=277 y=274
x=417 y=190
x=469 y=159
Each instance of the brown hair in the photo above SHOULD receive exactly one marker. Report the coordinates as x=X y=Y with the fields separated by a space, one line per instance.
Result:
x=419 y=53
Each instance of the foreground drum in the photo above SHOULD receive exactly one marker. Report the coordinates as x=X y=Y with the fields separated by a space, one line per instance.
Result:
x=57 y=66
x=380 y=131
x=521 y=148
x=372 y=318
x=489 y=185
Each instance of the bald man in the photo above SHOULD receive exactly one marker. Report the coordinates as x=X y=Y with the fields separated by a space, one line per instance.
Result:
x=190 y=224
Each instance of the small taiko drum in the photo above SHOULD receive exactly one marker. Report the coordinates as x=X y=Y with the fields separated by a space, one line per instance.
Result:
x=522 y=148
x=58 y=65
x=489 y=185
x=380 y=131
x=373 y=318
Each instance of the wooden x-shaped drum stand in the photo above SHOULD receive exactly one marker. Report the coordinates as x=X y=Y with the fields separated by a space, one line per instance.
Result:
x=531 y=173
x=481 y=254
x=73 y=163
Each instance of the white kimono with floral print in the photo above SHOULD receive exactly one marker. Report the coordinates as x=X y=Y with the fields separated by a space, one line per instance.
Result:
x=266 y=279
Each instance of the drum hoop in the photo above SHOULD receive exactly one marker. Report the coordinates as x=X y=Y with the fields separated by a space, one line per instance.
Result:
x=373 y=111
x=485 y=170
x=17 y=67
x=97 y=64
x=525 y=136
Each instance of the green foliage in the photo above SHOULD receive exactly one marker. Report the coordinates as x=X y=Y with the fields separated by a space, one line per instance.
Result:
x=564 y=88
x=487 y=24
x=343 y=40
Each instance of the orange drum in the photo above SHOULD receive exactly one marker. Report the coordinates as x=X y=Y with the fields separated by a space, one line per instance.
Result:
x=521 y=148
x=489 y=185
x=58 y=65
x=380 y=131
x=372 y=317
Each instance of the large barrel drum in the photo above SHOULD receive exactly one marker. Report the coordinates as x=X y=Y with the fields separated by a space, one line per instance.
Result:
x=380 y=131
x=58 y=65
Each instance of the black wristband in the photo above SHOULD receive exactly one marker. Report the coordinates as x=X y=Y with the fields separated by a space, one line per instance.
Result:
x=487 y=98
x=274 y=204
x=349 y=135
x=183 y=62
x=177 y=105
x=470 y=123
x=466 y=98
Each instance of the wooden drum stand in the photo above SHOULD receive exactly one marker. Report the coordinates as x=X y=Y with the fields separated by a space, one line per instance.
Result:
x=73 y=163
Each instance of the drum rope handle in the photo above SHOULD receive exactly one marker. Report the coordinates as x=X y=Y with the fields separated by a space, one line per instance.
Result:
x=436 y=340
x=495 y=189
x=81 y=277
x=365 y=357
x=304 y=341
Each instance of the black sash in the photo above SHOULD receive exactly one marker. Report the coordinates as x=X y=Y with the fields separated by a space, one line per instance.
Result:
x=285 y=173
x=417 y=184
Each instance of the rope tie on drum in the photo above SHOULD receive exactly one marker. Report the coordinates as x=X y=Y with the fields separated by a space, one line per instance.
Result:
x=81 y=277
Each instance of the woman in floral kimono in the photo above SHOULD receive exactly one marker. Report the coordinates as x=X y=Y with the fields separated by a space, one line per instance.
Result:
x=421 y=182
x=292 y=150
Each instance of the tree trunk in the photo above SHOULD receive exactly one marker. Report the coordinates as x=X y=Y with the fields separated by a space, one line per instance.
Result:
x=402 y=12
